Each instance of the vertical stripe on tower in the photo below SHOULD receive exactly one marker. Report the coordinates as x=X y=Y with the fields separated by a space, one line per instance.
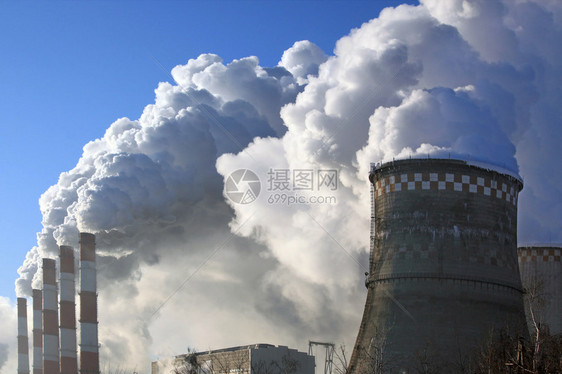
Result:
x=89 y=349
x=50 y=319
x=37 y=332
x=68 y=362
x=23 y=345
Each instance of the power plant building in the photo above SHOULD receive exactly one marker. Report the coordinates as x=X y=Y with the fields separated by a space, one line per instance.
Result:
x=541 y=274
x=54 y=338
x=251 y=359
x=444 y=271
x=443 y=263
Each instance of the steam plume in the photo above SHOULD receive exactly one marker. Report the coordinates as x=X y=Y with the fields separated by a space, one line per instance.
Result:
x=416 y=81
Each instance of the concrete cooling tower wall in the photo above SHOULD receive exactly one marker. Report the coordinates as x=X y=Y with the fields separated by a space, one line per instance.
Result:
x=443 y=266
x=541 y=274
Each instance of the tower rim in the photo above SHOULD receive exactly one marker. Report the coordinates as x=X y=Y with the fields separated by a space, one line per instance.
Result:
x=376 y=167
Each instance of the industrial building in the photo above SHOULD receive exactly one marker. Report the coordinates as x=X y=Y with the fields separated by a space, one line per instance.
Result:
x=443 y=263
x=54 y=328
x=444 y=270
x=250 y=359
x=541 y=274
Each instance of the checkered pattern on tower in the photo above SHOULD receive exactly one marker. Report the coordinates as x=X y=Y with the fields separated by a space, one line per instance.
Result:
x=540 y=254
x=449 y=182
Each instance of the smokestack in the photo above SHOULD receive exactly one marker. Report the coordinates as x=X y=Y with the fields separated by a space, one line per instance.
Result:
x=23 y=347
x=37 y=332
x=50 y=318
x=89 y=349
x=68 y=362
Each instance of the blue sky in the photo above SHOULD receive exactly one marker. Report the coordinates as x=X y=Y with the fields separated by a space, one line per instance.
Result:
x=69 y=69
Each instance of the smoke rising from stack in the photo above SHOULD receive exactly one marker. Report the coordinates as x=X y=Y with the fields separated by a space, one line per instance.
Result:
x=412 y=82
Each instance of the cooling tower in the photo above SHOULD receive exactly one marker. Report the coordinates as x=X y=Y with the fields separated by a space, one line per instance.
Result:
x=68 y=362
x=443 y=264
x=23 y=345
x=37 y=332
x=50 y=319
x=89 y=349
x=541 y=274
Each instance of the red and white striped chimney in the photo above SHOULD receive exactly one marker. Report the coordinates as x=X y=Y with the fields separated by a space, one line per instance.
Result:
x=37 y=332
x=89 y=348
x=50 y=319
x=23 y=344
x=68 y=361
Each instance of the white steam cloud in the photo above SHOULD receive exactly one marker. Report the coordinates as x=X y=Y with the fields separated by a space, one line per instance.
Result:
x=182 y=265
x=8 y=342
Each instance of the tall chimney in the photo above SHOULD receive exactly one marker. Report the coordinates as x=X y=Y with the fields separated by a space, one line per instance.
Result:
x=37 y=332
x=23 y=347
x=68 y=362
x=89 y=349
x=50 y=318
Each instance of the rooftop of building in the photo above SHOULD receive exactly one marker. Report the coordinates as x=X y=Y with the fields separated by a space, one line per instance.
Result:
x=239 y=348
